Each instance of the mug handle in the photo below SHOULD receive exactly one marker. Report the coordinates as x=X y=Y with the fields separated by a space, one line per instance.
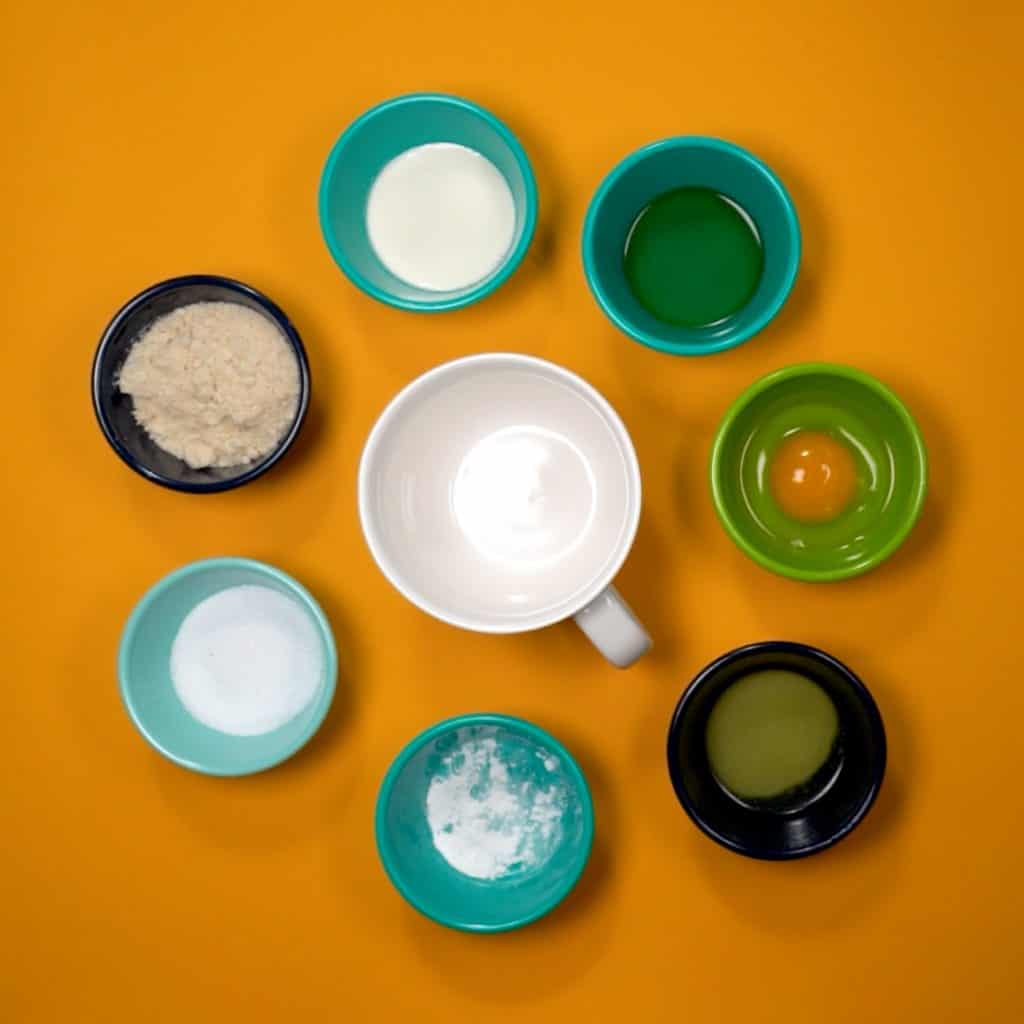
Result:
x=613 y=629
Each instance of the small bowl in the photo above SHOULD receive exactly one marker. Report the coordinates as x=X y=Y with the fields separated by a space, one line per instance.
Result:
x=421 y=873
x=890 y=455
x=812 y=826
x=114 y=408
x=375 y=138
x=689 y=160
x=143 y=666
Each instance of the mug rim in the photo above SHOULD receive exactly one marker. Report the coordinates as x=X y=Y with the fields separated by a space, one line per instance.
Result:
x=709 y=672
x=513 y=257
x=730 y=339
x=600 y=582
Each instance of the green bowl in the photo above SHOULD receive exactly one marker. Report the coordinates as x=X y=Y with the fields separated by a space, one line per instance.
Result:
x=457 y=866
x=143 y=665
x=892 y=470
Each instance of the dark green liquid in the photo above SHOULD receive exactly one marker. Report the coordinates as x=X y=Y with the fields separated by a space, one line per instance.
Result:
x=693 y=258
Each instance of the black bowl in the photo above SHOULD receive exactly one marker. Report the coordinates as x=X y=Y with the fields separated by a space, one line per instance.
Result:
x=114 y=409
x=808 y=825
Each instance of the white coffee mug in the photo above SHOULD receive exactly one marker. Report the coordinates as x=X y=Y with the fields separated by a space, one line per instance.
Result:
x=501 y=493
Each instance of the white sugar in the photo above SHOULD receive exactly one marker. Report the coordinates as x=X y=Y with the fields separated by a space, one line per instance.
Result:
x=441 y=216
x=489 y=813
x=246 y=660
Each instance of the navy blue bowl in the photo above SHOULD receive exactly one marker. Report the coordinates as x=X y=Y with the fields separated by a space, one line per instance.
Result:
x=808 y=825
x=114 y=408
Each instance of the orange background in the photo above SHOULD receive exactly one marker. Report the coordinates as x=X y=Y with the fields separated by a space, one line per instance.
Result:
x=146 y=140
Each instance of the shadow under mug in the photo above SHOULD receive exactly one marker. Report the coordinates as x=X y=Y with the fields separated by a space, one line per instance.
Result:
x=501 y=493
x=700 y=162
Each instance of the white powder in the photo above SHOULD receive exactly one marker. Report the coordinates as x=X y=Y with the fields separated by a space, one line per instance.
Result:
x=491 y=814
x=214 y=383
x=440 y=216
x=246 y=660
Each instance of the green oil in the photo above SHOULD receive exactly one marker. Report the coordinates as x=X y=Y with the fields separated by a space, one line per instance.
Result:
x=693 y=257
x=770 y=733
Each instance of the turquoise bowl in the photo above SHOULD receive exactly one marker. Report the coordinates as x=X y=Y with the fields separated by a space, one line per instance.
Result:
x=454 y=888
x=143 y=666
x=378 y=136
x=689 y=161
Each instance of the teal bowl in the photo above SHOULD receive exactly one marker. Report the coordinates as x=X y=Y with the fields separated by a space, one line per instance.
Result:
x=700 y=162
x=888 y=452
x=484 y=823
x=373 y=140
x=143 y=665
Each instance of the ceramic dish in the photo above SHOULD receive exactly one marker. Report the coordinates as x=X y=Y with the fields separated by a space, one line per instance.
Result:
x=114 y=409
x=455 y=890
x=143 y=665
x=887 y=449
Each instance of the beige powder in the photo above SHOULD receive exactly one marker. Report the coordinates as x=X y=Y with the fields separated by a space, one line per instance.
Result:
x=214 y=383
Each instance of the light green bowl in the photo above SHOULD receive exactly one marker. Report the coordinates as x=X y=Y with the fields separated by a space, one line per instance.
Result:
x=535 y=762
x=143 y=665
x=892 y=470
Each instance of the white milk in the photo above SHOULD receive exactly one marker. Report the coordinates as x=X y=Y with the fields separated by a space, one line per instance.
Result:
x=441 y=217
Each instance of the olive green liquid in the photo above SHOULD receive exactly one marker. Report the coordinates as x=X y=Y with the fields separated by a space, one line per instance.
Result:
x=769 y=733
x=693 y=258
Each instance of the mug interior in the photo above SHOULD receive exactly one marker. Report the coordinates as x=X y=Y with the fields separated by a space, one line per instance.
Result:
x=378 y=137
x=499 y=492
x=678 y=163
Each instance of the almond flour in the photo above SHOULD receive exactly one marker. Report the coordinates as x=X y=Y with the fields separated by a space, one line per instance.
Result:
x=214 y=383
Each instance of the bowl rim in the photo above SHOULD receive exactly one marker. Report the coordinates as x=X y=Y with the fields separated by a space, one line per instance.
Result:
x=324 y=698
x=413 y=747
x=730 y=339
x=284 y=325
x=813 y=654
x=716 y=469
x=489 y=284
x=372 y=535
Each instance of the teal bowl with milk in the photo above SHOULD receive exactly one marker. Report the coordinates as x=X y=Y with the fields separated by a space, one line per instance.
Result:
x=427 y=202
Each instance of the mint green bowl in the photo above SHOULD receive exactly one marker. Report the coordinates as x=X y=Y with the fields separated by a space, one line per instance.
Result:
x=143 y=666
x=537 y=769
x=854 y=407
x=377 y=137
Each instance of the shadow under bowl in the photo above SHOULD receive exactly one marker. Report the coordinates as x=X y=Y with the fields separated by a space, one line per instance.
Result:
x=887 y=449
x=114 y=409
x=535 y=763
x=144 y=658
x=769 y=833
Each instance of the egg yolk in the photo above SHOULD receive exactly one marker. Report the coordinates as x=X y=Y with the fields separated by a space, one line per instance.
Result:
x=813 y=477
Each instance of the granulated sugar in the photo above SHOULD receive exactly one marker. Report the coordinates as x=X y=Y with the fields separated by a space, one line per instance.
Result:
x=493 y=811
x=246 y=660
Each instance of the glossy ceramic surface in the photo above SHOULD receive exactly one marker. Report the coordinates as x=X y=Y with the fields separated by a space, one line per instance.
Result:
x=860 y=411
x=661 y=167
x=114 y=409
x=381 y=134
x=813 y=826
x=428 y=881
x=499 y=492
x=143 y=665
